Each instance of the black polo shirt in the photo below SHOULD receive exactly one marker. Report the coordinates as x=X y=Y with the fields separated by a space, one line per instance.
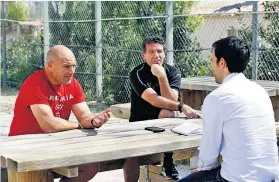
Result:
x=142 y=78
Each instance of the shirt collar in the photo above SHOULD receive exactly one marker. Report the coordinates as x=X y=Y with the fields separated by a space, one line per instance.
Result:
x=231 y=75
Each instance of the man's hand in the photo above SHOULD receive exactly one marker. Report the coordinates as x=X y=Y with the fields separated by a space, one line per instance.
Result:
x=158 y=71
x=190 y=112
x=195 y=170
x=101 y=118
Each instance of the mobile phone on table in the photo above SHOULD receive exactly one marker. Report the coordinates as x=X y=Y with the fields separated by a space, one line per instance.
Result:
x=154 y=129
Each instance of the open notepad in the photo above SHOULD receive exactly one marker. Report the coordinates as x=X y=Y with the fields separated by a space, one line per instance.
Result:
x=188 y=128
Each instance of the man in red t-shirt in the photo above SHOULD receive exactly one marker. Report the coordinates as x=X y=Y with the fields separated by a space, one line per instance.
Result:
x=46 y=99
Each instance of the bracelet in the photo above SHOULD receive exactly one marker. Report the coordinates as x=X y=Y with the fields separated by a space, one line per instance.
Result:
x=92 y=123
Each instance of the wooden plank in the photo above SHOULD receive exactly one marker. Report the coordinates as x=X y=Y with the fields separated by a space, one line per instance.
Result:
x=33 y=145
x=121 y=110
x=51 y=146
x=193 y=98
x=25 y=150
x=208 y=86
x=94 y=143
x=185 y=153
x=198 y=86
x=130 y=145
x=113 y=130
x=107 y=128
x=205 y=79
x=104 y=153
x=69 y=172
x=36 y=176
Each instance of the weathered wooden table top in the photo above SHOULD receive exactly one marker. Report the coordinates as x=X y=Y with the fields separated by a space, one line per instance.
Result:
x=209 y=84
x=110 y=142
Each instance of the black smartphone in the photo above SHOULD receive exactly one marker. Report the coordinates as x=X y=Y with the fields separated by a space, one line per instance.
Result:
x=154 y=129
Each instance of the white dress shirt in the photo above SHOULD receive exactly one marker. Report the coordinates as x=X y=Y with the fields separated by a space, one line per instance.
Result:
x=238 y=123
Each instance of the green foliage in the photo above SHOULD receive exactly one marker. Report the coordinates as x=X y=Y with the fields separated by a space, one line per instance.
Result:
x=86 y=68
x=122 y=40
x=270 y=55
x=17 y=11
x=22 y=58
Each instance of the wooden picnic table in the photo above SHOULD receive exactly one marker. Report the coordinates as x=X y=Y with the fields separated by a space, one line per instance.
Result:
x=28 y=157
x=193 y=91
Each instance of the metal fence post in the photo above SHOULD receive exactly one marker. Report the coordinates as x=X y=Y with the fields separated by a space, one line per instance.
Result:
x=46 y=30
x=255 y=40
x=4 y=59
x=98 y=38
x=169 y=32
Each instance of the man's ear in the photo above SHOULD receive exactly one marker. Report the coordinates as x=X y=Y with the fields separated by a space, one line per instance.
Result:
x=223 y=63
x=143 y=55
x=49 y=63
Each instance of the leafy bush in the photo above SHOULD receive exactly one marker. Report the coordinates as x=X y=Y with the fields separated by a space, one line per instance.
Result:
x=23 y=58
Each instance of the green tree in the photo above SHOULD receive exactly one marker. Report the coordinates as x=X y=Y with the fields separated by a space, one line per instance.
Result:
x=17 y=11
x=122 y=39
x=268 y=62
x=270 y=56
x=22 y=59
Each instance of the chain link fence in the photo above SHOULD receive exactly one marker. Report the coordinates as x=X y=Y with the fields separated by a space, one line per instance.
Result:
x=124 y=25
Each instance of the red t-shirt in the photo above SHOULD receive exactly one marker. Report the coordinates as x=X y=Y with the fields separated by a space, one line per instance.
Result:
x=37 y=89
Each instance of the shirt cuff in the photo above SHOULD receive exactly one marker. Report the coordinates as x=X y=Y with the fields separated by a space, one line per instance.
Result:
x=202 y=166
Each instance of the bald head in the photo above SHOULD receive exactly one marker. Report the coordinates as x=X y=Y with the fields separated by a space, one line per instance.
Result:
x=60 y=65
x=58 y=52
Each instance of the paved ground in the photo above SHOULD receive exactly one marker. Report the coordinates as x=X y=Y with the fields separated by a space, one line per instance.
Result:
x=7 y=100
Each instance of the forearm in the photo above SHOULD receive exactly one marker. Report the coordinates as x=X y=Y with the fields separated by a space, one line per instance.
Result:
x=85 y=120
x=56 y=124
x=164 y=103
x=166 y=90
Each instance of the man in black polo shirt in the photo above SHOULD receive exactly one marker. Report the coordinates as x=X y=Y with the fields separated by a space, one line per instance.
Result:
x=155 y=94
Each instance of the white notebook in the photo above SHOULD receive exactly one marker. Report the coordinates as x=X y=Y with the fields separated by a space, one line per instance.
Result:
x=188 y=128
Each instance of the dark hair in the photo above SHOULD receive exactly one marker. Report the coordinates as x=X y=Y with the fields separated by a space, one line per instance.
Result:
x=234 y=51
x=152 y=39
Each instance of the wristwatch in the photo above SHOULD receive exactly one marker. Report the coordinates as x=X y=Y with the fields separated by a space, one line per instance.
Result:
x=180 y=104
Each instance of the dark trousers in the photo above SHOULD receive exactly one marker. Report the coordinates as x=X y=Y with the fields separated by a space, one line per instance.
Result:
x=213 y=175
x=168 y=156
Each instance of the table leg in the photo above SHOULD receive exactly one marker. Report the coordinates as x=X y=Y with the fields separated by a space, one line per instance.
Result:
x=146 y=173
x=32 y=176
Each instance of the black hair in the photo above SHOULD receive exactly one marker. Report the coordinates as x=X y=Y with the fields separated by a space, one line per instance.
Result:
x=234 y=51
x=153 y=39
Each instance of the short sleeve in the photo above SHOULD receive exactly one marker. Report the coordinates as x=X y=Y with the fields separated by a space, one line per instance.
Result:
x=136 y=82
x=33 y=93
x=175 y=79
x=79 y=95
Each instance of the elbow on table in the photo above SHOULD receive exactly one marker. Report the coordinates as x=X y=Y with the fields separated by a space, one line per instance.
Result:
x=47 y=126
x=48 y=129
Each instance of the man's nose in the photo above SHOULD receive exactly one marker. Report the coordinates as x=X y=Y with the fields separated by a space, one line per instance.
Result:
x=72 y=69
x=156 y=54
